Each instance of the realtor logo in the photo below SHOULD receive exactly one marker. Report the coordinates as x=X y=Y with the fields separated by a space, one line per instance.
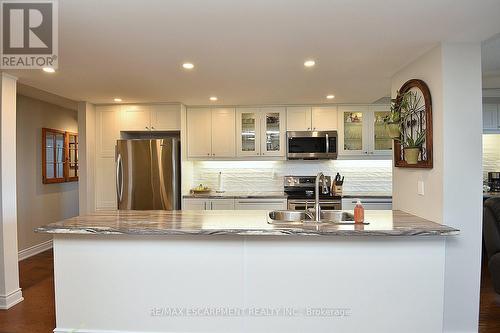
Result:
x=29 y=34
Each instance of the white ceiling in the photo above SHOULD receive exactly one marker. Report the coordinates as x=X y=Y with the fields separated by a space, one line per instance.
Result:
x=249 y=52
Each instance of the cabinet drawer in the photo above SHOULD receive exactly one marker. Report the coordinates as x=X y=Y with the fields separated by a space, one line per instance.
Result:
x=260 y=204
x=368 y=203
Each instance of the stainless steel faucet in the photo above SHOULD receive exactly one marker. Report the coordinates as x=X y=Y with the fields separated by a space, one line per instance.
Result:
x=320 y=177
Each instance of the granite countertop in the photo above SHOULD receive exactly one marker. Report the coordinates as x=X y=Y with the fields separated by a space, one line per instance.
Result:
x=251 y=223
x=238 y=195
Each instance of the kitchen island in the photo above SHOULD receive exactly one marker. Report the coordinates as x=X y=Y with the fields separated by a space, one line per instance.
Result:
x=232 y=271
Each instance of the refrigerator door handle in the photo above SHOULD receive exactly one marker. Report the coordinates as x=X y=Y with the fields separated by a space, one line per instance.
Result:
x=119 y=178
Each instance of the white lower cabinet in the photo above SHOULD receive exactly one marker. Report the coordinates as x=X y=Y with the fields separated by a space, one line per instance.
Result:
x=207 y=204
x=368 y=203
x=231 y=204
x=222 y=204
x=260 y=204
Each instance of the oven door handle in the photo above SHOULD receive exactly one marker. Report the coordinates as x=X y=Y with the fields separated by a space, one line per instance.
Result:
x=327 y=144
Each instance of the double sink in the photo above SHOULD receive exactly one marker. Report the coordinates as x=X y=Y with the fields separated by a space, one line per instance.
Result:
x=337 y=217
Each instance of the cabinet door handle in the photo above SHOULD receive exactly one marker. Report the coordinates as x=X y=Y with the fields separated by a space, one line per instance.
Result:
x=309 y=128
x=152 y=128
x=263 y=154
x=208 y=154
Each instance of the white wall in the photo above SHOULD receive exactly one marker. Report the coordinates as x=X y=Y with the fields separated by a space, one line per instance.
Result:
x=87 y=156
x=10 y=293
x=453 y=192
x=37 y=203
x=404 y=190
x=462 y=101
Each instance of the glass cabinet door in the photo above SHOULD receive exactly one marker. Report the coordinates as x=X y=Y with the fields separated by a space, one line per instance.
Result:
x=382 y=140
x=72 y=172
x=272 y=144
x=353 y=131
x=248 y=129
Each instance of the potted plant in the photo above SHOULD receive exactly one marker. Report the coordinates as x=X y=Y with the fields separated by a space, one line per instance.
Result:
x=394 y=119
x=412 y=147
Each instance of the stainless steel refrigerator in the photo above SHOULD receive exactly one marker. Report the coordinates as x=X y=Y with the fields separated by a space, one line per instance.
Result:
x=148 y=174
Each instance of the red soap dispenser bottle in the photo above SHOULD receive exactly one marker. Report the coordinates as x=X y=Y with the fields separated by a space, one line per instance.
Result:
x=359 y=212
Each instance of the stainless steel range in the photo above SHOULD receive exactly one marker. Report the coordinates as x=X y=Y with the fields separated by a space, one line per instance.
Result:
x=300 y=192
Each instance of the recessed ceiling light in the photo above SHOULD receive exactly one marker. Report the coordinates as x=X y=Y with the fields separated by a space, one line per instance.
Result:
x=48 y=70
x=188 y=65
x=117 y=99
x=309 y=63
x=213 y=98
x=330 y=96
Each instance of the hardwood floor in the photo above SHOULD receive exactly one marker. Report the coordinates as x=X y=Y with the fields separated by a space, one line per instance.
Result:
x=489 y=310
x=36 y=314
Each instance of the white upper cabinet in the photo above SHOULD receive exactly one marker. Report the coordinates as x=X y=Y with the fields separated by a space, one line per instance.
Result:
x=324 y=118
x=165 y=117
x=151 y=118
x=135 y=118
x=199 y=133
x=273 y=131
x=301 y=118
x=107 y=129
x=362 y=131
x=380 y=141
x=353 y=130
x=491 y=118
x=223 y=133
x=211 y=133
x=298 y=118
x=260 y=132
x=248 y=132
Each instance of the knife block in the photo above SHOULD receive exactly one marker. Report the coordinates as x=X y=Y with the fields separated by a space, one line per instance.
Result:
x=337 y=190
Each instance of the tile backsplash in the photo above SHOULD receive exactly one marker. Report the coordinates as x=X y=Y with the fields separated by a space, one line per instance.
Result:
x=491 y=154
x=258 y=176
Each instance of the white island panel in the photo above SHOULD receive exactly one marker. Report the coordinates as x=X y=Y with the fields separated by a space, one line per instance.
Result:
x=128 y=283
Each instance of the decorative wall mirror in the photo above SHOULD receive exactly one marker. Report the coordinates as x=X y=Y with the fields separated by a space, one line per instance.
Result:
x=414 y=98
x=59 y=156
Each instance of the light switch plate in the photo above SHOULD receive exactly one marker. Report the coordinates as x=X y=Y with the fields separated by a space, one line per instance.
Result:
x=420 y=187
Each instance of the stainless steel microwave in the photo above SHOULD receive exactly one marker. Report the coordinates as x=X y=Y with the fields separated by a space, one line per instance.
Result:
x=311 y=145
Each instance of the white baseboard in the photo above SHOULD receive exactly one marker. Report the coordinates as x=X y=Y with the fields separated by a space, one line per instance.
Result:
x=76 y=330
x=31 y=251
x=8 y=301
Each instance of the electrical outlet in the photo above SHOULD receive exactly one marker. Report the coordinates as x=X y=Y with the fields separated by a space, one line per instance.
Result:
x=420 y=187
